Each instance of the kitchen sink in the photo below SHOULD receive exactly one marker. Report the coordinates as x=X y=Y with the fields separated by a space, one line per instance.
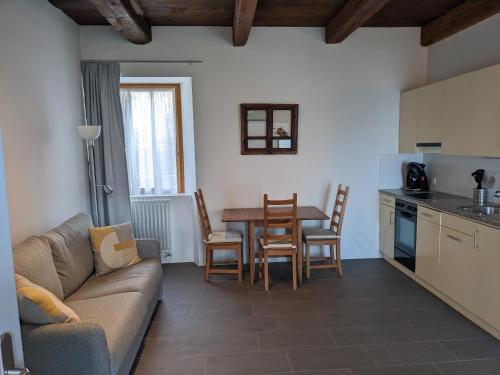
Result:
x=481 y=210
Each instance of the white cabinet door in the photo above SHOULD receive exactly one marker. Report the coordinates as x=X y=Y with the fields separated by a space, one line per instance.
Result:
x=459 y=268
x=427 y=259
x=386 y=231
x=456 y=115
x=488 y=298
x=485 y=112
x=430 y=113
x=408 y=122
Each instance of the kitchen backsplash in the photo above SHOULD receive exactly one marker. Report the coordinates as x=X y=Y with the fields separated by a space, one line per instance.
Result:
x=453 y=173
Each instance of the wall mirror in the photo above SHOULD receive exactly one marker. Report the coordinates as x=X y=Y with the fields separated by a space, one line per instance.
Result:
x=269 y=128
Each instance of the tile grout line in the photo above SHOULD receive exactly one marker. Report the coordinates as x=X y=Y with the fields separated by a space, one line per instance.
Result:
x=370 y=356
x=448 y=350
x=205 y=364
x=289 y=361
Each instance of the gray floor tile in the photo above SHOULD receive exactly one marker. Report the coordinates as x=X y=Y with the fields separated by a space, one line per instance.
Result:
x=319 y=372
x=329 y=358
x=294 y=340
x=368 y=335
x=299 y=295
x=178 y=326
x=155 y=348
x=247 y=363
x=346 y=305
x=284 y=309
x=398 y=370
x=409 y=353
x=220 y=311
x=474 y=348
x=439 y=330
x=177 y=365
x=246 y=324
x=477 y=367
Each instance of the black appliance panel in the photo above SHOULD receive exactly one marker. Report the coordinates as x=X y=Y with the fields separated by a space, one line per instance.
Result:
x=405 y=234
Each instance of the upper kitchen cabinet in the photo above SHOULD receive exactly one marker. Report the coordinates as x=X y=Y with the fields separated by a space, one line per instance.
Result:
x=430 y=114
x=485 y=112
x=408 y=122
x=456 y=115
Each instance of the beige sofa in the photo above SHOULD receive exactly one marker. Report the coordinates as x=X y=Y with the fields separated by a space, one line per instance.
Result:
x=115 y=309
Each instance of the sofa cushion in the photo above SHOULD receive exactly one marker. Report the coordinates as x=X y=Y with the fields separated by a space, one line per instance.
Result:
x=120 y=316
x=33 y=260
x=114 y=247
x=39 y=306
x=72 y=252
x=144 y=277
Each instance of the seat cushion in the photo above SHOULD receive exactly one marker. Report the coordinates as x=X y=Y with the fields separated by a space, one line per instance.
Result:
x=72 y=252
x=33 y=260
x=144 y=277
x=318 y=234
x=120 y=316
x=276 y=244
x=219 y=237
x=39 y=306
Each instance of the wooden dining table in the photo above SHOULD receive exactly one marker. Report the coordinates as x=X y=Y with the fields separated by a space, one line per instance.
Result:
x=254 y=217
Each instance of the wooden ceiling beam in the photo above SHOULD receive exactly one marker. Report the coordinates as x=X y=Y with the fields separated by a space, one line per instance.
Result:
x=459 y=18
x=353 y=15
x=126 y=17
x=244 y=12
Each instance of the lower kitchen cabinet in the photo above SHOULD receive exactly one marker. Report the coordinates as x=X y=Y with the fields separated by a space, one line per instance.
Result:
x=386 y=230
x=427 y=259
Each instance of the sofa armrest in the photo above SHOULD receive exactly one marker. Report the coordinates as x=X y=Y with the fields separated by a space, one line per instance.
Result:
x=149 y=248
x=67 y=348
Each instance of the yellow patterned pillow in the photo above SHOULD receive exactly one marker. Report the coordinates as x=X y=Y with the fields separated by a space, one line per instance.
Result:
x=39 y=306
x=114 y=247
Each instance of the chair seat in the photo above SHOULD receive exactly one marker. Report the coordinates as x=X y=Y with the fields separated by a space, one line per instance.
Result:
x=277 y=244
x=220 y=237
x=318 y=234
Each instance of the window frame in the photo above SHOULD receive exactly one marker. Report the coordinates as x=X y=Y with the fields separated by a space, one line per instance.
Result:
x=179 y=154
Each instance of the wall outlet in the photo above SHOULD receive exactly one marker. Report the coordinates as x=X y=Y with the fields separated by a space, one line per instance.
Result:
x=434 y=181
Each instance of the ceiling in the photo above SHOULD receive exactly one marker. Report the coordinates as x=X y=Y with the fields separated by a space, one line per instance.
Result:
x=296 y=13
x=133 y=18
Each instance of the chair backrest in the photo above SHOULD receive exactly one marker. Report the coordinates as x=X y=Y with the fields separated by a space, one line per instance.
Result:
x=339 y=209
x=202 y=211
x=280 y=214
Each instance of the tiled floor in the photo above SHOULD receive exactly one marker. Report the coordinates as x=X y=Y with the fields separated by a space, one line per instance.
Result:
x=374 y=321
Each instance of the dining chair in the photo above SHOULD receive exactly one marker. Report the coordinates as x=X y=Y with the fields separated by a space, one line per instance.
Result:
x=327 y=236
x=218 y=241
x=279 y=215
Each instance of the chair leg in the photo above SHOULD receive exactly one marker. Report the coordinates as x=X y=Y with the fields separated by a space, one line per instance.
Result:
x=294 y=270
x=332 y=254
x=266 y=271
x=308 y=260
x=207 y=262
x=240 y=263
x=340 y=271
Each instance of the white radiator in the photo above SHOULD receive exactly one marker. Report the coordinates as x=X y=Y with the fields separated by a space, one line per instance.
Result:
x=151 y=219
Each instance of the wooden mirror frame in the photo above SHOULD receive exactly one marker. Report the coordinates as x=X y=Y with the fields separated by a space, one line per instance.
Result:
x=269 y=137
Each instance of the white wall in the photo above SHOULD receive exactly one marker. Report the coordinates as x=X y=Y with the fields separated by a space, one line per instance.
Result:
x=472 y=49
x=349 y=104
x=40 y=107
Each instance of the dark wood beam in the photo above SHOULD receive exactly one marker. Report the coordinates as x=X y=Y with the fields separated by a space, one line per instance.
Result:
x=125 y=16
x=460 y=18
x=353 y=15
x=244 y=11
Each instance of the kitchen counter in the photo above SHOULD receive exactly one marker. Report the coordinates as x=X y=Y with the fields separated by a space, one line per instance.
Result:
x=447 y=203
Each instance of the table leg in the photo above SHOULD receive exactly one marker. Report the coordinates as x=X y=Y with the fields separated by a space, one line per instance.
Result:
x=251 y=251
x=299 y=250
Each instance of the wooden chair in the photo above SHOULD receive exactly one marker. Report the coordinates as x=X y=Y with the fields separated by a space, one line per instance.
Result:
x=279 y=215
x=331 y=236
x=218 y=241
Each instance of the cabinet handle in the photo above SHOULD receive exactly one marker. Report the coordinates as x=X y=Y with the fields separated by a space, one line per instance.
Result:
x=390 y=217
x=427 y=215
x=453 y=238
x=476 y=238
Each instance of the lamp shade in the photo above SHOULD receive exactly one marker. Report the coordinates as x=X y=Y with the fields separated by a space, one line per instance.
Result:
x=89 y=132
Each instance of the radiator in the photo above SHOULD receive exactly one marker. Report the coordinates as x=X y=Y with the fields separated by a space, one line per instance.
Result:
x=151 y=219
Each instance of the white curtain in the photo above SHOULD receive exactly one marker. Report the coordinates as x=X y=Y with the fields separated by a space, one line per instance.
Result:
x=149 y=120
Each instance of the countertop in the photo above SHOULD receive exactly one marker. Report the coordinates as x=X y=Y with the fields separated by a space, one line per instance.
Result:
x=447 y=203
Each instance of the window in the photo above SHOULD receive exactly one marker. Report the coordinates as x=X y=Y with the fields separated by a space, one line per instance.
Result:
x=153 y=138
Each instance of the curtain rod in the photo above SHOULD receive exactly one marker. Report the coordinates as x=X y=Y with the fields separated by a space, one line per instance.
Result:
x=150 y=61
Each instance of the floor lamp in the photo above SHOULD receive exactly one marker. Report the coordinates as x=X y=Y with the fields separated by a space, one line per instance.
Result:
x=89 y=133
